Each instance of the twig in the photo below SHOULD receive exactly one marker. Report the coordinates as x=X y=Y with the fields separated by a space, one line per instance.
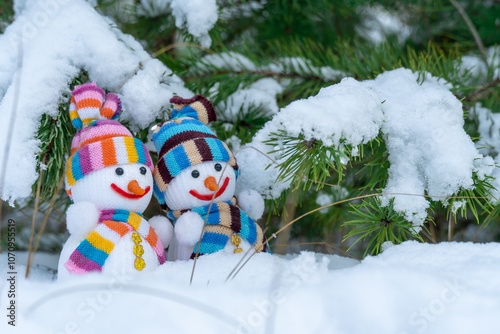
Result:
x=237 y=264
x=204 y=224
x=289 y=212
x=472 y=29
x=244 y=263
x=478 y=93
x=427 y=235
x=176 y=45
x=432 y=232
x=35 y=213
x=46 y=218
x=451 y=225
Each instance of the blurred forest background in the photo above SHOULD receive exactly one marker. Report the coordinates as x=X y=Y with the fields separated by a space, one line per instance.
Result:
x=454 y=40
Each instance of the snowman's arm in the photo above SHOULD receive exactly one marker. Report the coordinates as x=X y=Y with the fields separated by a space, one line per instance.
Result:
x=251 y=202
x=188 y=228
x=163 y=228
x=81 y=219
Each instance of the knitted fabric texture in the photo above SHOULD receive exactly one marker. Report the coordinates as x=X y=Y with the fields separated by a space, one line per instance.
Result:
x=185 y=141
x=101 y=141
x=92 y=252
x=224 y=220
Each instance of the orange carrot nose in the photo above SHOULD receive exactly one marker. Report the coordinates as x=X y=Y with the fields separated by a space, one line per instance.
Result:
x=135 y=188
x=211 y=184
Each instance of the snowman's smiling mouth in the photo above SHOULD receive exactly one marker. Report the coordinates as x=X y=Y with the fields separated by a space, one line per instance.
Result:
x=208 y=197
x=127 y=194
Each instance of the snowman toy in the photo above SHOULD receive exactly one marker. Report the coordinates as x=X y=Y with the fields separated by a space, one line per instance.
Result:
x=109 y=179
x=195 y=181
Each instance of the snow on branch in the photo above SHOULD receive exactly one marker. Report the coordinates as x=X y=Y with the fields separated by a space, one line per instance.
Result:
x=429 y=150
x=58 y=39
x=197 y=16
x=422 y=125
x=342 y=114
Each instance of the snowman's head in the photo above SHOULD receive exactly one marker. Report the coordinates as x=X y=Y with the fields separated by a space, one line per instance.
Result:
x=197 y=185
x=193 y=166
x=123 y=186
x=107 y=166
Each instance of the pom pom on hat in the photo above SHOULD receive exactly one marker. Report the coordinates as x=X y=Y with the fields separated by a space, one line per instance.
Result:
x=87 y=105
x=197 y=107
x=185 y=141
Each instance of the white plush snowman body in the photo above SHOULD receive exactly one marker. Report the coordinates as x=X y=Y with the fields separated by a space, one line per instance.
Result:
x=196 y=186
x=123 y=186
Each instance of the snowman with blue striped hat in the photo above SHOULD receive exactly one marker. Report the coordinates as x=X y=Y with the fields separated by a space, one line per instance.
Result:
x=195 y=181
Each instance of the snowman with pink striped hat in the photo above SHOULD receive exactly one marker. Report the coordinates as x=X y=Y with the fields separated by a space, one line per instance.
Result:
x=109 y=179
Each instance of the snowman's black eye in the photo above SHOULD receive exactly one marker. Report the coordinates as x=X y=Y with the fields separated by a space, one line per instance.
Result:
x=119 y=171
x=143 y=170
x=218 y=167
x=195 y=173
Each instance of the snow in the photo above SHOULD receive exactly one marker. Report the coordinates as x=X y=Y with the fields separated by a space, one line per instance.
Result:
x=489 y=142
x=477 y=67
x=422 y=122
x=60 y=38
x=379 y=23
x=259 y=95
x=342 y=114
x=197 y=16
x=409 y=288
x=329 y=196
x=234 y=10
x=429 y=151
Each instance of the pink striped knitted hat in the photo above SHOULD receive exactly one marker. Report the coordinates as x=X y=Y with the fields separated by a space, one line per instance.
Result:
x=101 y=141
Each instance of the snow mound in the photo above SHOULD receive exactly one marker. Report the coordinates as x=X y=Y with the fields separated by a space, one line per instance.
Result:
x=409 y=288
x=59 y=39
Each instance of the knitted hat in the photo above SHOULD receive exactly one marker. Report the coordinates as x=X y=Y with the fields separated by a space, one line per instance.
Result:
x=185 y=141
x=101 y=141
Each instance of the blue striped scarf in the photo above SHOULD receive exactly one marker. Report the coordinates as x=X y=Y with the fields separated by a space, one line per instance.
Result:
x=224 y=220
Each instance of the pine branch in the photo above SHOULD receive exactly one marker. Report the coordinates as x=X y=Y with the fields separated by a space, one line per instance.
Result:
x=259 y=74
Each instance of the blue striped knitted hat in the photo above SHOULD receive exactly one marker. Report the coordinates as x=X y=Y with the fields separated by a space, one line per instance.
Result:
x=185 y=141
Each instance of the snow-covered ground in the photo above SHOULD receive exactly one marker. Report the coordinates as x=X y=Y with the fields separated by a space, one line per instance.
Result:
x=409 y=288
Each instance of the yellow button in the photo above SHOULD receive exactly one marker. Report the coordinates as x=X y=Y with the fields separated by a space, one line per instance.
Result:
x=139 y=264
x=236 y=240
x=138 y=250
x=136 y=237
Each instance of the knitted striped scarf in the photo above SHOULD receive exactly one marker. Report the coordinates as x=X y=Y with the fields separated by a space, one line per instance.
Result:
x=224 y=220
x=92 y=252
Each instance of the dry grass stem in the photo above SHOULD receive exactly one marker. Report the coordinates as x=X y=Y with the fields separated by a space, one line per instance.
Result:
x=46 y=217
x=35 y=213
